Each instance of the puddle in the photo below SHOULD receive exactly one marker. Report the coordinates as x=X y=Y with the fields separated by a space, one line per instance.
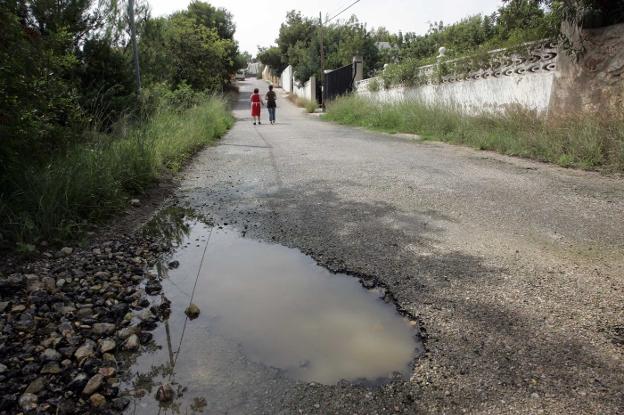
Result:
x=269 y=316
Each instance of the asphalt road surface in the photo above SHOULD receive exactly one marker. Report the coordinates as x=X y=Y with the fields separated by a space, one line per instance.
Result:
x=514 y=269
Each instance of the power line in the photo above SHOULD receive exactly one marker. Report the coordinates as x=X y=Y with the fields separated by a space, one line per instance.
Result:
x=343 y=10
x=342 y=4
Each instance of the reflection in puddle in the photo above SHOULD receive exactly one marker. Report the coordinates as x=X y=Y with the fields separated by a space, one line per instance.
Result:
x=269 y=315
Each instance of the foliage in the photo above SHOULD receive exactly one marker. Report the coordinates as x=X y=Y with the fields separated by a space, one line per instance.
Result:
x=299 y=45
x=373 y=85
x=67 y=84
x=588 y=13
x=190 y=47
x=589 y=141
x=92 y=180
x=309 y=106
x=516 y=22
x=272 y=57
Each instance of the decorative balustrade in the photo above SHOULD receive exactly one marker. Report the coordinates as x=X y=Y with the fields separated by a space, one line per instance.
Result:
x=521 y=60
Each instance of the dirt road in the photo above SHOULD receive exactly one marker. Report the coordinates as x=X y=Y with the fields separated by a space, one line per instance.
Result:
x=515 y=269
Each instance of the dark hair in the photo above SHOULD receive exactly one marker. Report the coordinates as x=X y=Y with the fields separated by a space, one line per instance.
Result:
x=256 y=90
x=270 y=87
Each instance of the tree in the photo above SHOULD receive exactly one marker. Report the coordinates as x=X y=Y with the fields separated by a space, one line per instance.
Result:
x=298 y=44
x=271 y=56
x=206 y=15
x=194 y=46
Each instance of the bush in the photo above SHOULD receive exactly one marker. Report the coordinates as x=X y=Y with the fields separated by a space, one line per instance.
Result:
x=373 y=85
x=91 y=181
x=309 y=106
x=588 y=141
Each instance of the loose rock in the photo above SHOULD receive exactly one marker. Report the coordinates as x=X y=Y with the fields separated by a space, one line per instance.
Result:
x=103 y=328
x=131 y=343
x=28 y=401
x=36 y=386
x=165 y=393
x=97 y=400
x=85 y=351
x=51 y=368
x=107 y=345
x=153 y=287
x=192 y=311
x=50 y=355
x=107 y=372
x=93 y=384
x=127 y=332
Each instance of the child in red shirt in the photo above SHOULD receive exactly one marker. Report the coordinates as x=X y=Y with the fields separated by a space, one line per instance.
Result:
x=256 y=103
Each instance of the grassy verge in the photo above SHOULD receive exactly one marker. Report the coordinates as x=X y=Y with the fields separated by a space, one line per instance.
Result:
x=585 y=141
x=308 y=105
x=91 y=181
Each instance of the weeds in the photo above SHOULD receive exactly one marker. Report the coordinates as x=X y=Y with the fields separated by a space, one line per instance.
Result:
x=309 y=106
x=91 y=181
x=588 y=141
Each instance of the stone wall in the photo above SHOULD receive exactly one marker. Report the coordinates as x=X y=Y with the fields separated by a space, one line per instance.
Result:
x=594 y=82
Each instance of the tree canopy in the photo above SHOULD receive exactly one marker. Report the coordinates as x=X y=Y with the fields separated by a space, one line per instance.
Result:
x=514 y=23
x=67 y=67
x=298 y=44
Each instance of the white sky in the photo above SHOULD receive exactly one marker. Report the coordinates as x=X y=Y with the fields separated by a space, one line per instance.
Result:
x=258 y=22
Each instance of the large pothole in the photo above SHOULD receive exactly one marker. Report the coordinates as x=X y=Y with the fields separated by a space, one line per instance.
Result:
x=269 y=316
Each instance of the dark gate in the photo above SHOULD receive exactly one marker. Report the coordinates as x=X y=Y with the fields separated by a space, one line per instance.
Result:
x=338 y=82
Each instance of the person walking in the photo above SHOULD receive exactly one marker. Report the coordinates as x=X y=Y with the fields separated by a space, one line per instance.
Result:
x=271 y=99
x=256 y=103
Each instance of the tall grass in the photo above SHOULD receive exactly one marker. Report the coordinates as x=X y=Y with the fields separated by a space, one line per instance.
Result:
x=93 y=180
x=588 y=141
x=309 y=106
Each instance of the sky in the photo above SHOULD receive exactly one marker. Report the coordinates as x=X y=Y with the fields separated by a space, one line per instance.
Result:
x=258 y=22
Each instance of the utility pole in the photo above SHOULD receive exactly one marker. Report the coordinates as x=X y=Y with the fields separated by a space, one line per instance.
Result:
x=135 y=49
x=322 y=61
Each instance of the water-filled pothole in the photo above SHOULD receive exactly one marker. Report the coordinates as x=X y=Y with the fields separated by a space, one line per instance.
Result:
x=268 y=314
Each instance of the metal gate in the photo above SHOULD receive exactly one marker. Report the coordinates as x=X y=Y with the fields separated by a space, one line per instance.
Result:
x=338 y=82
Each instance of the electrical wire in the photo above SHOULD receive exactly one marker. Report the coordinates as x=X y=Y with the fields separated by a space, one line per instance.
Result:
x=343 y=10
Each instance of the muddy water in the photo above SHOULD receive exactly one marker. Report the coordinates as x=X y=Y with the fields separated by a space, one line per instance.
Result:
x=269 y=316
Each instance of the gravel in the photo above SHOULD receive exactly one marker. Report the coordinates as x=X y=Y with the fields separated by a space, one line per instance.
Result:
x=61 y=318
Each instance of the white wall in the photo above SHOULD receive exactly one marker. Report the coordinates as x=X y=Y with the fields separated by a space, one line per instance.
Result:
x=287 y=79
x=522 y=76
x=307 y=90
x=531 y=91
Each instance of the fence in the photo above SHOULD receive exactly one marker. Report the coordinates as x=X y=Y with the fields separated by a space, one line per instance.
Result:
x=522 y=76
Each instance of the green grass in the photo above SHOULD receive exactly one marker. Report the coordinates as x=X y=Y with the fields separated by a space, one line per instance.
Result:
x=92 y=181
x=587 y=141
x=309 y=106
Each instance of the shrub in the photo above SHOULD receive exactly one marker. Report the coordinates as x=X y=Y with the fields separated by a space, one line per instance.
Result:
x=309 y=106
x=92 y=180
x=373 y=85
x=588 y=141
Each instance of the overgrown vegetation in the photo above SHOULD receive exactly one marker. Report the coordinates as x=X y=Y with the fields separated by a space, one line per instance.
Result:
x=91 y=180
x=77 y=139
x=515 y=23
x=309 y=106
x=298 y=44
x=584 y=141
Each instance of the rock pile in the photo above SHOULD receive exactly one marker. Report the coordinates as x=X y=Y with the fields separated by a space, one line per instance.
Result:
x=65 y=321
